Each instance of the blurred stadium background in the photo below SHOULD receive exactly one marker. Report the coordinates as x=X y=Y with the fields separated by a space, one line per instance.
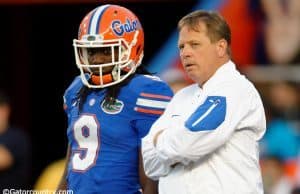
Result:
x=37 y=64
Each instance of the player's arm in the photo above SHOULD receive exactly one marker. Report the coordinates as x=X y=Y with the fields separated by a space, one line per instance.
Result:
x=153 y=98
x=155 y=167
x=68 y=99
x=148 y=186
x=63 y=182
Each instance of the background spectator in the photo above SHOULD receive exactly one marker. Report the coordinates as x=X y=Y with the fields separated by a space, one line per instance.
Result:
x=274 y=178
x=282 y=30
x=14 y=151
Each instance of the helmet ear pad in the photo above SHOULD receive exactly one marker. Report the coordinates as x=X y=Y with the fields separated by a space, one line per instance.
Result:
x=115 y=27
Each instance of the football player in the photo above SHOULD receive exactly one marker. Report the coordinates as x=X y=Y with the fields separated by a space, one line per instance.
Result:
x=110 y=106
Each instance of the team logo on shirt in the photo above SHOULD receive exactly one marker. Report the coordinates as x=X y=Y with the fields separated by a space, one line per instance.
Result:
x=114 y=108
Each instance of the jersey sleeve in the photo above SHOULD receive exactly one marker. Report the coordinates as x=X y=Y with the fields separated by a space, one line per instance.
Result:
x=154 y=165
x=152 y=97
x=69 y=97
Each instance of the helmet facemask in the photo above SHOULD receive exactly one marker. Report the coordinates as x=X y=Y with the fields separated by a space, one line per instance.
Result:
x=114 y=64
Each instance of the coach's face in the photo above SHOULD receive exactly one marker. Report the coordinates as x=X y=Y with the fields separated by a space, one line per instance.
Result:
x=199 y=56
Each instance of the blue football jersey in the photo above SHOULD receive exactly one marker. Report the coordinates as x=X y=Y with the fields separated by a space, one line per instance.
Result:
x=105 y=138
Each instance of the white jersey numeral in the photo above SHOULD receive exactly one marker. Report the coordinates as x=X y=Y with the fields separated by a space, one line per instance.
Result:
x=87 y=136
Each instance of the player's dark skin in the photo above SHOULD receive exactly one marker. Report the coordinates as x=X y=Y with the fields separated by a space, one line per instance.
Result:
x=101 y=56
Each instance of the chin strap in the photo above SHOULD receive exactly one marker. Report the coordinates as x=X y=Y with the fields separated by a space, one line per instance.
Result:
x=107 y=78
x=95 y=79
x=110 y=77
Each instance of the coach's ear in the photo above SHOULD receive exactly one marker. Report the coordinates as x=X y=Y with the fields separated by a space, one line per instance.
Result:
x=209 y=115
x=221 y=47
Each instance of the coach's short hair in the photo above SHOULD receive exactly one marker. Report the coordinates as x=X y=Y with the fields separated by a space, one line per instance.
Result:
x=217 y=27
